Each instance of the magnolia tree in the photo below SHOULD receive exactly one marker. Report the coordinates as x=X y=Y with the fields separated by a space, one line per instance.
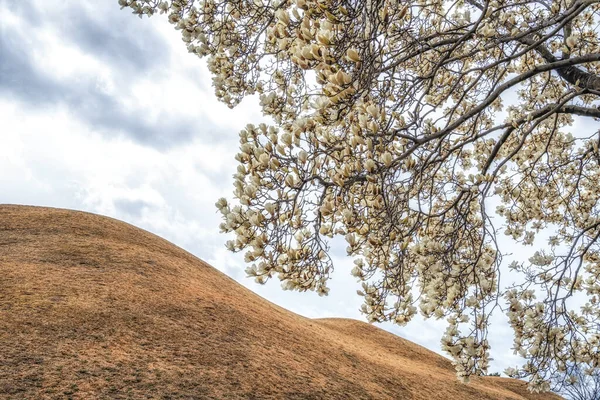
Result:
x=421 y=132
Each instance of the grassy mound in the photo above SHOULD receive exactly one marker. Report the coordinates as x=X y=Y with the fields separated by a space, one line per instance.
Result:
x=91 y=307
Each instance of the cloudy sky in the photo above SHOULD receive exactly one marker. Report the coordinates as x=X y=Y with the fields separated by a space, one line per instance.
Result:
x=107 y=113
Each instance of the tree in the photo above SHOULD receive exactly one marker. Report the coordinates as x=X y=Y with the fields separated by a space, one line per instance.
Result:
x=421 y=132
x=581 y=383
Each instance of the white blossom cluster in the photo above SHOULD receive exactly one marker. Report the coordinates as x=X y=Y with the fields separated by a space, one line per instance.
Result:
x=389 y=133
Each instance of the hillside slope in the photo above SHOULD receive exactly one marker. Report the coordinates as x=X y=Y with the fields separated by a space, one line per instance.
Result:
x=91 y=307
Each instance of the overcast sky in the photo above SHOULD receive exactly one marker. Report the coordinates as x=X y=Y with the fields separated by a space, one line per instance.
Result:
x=107 y=113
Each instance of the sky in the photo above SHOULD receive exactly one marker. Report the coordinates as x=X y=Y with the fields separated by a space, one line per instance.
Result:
x=107 y=113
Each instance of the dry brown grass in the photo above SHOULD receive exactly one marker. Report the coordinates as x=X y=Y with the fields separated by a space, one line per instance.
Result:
x=91 y=307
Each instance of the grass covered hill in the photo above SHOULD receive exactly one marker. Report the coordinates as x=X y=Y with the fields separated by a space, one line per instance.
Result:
x=91 y=307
